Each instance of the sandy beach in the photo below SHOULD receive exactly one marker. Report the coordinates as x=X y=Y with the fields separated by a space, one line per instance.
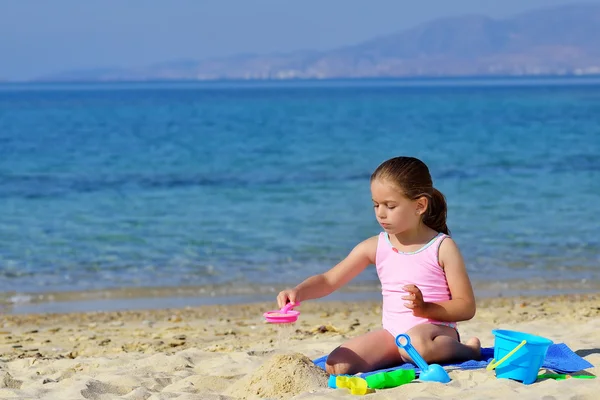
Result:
x=229 y=352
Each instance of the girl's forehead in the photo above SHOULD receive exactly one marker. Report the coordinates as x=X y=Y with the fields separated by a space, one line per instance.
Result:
x=386 y=189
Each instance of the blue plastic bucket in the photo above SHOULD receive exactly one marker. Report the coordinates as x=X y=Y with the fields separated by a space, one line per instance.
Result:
x=525 y=363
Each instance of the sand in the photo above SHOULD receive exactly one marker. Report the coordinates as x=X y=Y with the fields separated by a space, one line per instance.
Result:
x=229 y=352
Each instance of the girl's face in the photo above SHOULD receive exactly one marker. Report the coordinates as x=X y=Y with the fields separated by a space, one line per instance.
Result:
x=394 y=211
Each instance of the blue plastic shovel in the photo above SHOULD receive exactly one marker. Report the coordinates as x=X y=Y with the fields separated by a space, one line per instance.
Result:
x=433 y=372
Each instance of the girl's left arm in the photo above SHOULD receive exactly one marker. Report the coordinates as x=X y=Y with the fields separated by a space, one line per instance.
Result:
x=461 y=307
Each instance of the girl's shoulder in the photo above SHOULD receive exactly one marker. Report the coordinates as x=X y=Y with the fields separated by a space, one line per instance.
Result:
x=448 y=250
x=368 y=247
x=447 y=243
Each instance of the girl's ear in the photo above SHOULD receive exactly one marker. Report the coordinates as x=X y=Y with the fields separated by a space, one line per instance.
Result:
x=422 y=203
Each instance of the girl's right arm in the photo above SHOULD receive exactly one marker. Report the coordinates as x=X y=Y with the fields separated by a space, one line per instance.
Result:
x=324 y=284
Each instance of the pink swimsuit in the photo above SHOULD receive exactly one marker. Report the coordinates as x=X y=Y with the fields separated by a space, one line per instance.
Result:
x=397 y=269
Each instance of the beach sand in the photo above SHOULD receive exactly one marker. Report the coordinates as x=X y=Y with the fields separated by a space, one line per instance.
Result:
x=229 y=352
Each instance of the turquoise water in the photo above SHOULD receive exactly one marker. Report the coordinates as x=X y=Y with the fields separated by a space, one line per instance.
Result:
x=235 y=184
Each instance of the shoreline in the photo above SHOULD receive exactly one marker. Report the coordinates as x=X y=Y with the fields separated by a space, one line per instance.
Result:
x=146 y=298
x=211 y=352
x=586 y=78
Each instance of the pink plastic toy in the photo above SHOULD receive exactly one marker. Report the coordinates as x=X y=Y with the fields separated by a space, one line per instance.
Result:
x=283 y=316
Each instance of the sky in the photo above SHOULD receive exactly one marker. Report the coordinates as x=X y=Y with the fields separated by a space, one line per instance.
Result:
x=45 y=37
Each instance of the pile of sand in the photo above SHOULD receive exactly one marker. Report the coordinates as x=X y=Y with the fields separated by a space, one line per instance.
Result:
x=281 y=377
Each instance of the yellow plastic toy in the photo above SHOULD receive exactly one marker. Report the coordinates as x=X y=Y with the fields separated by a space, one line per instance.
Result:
x=357 y=386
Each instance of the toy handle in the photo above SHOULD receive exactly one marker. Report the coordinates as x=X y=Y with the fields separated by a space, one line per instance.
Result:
x=288 y=307
x=493 y=364
x=412 y=352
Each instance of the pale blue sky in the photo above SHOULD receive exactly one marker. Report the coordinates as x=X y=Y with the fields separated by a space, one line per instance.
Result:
x=39 y=37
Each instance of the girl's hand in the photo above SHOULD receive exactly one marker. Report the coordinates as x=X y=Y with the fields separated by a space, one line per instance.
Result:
x=287 y=296
x=414 y=299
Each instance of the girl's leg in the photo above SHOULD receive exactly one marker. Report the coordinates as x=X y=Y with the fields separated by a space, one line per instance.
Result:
x=439 y=343
x=368 y=352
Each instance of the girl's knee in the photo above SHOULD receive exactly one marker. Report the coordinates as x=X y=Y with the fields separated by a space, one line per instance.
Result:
x=342 y=361
x=423 y=345
x=338 y=369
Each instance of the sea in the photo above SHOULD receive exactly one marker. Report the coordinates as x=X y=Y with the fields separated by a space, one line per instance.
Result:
x=168 y=194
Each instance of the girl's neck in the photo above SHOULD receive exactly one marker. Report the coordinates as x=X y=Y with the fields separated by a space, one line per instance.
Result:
x=418 y=236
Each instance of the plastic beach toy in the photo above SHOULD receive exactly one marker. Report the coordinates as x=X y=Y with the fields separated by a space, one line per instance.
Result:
x=433 y=372
x=356 y=385
x=391 y=379
x=520 y=355
x=284 y=316
x=560 y=377
x=380 y=380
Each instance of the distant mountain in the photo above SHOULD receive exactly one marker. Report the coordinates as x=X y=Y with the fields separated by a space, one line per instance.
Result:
x=559 y=40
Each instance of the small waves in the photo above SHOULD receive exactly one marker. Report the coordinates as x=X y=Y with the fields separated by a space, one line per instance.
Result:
x=40 y=186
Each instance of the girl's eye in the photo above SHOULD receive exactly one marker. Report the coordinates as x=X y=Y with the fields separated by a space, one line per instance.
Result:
x=391 y=207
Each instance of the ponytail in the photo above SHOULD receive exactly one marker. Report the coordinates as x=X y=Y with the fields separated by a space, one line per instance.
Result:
x=437 y=211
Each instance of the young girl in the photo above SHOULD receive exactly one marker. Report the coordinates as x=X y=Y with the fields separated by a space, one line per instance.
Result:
x=425 y=285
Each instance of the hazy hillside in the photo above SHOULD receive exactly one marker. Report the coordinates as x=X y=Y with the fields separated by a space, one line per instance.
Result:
x=560 y=40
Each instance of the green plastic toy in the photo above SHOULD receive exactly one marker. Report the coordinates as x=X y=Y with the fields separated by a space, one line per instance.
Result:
x=560 y=377
x=383 y=380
